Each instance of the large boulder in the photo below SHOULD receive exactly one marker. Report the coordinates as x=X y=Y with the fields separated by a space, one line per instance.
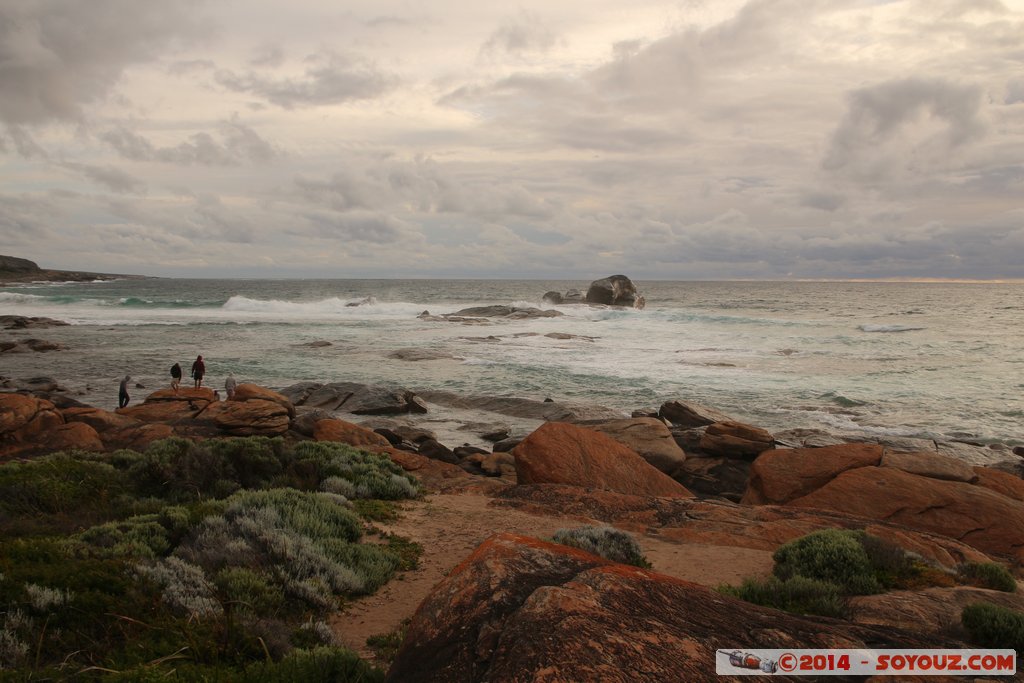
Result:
x=248 y=392
x=341 y=431
x=931 y=610
x=360 y=399
x=26 y=422
x=614 y=290
x=930 y=465
x=255 y=417
x=520 y=609
x=975 y=515
x=561 y=453
x=779 y=476
x=17 y=411
x=735 y=440
x=650 y=438
x=689 y=414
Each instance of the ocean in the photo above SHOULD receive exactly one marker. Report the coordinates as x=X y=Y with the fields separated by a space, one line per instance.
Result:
x=938 y=360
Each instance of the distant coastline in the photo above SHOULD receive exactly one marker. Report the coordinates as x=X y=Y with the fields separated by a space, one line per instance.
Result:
x=18 y=270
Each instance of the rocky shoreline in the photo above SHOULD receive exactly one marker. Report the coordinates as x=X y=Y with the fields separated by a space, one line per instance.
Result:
x=684 y=475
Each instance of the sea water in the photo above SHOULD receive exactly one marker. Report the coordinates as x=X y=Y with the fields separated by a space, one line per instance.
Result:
x=903 y=359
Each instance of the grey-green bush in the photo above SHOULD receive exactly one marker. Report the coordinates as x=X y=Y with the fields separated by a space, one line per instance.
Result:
x=604 y=541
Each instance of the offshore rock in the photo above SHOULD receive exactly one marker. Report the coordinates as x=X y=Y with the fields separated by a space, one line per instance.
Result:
x=614 y=290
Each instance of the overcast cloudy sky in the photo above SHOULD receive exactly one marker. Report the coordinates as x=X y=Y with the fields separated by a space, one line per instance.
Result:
x=693 y=139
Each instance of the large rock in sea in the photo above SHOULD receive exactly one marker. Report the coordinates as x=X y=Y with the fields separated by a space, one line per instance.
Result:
x=614 y=290
x=650 y=438
x=521 y=609
x=561 y=453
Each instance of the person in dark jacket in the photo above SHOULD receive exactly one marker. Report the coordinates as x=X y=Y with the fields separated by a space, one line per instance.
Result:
x=122 y=393
x=175 y=376
x=198 y=370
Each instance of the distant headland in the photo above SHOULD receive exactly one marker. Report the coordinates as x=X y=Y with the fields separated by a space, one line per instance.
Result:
x=14 y=269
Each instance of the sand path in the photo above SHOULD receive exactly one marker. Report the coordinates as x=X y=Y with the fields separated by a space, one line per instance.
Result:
x=450 y=526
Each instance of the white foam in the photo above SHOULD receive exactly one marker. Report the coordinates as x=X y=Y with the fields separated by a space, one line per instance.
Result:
x=888 y=328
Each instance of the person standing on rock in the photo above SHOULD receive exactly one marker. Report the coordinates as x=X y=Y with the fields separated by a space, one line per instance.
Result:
x=198 y=370
x=175 y=376
x=122 y=393
x=229 y=385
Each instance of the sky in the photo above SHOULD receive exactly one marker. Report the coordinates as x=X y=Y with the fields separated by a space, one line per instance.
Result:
x=696 y=139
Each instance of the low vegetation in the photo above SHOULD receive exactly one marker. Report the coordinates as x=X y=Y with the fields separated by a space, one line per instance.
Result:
x=989 y=575
x=212 y=561
x=604 y=541
x=815 y=574
x=993 y=626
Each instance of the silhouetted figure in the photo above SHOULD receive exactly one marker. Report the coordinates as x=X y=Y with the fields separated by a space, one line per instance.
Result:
x=175 y=377
x=122 y=393
x=198 y=370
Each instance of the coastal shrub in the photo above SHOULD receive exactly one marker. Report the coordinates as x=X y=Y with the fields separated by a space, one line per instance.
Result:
x=179 y=470
x=796 y=594
x=990 y=575
x=301 y=544
x=832 y=555
x=312 y=634
x=136 y=537
x=56 y=493
x=993 y=626
x=184 y=587
x=604 y=541
x=248 y=591
x=371 y=475
x=339 y=486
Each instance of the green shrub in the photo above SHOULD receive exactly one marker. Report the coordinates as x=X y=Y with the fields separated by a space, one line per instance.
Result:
x=248 y=591
x=797 y=594
x=994 y=626
x=56 y=493
x=832 y=555
x=319 y=665
x=604 y=541
x=987 y=575
x=178 y=469
x=371 y=475
x=141 y=537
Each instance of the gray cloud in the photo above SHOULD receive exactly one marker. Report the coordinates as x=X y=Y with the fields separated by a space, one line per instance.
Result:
x=523 y=33
x=886 y=126
x=110 y=177
x=331 y=78
x=238 y=144
x=362 y=226
x=57 y=55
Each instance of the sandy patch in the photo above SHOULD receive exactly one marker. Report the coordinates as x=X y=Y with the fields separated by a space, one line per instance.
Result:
x=450 y=526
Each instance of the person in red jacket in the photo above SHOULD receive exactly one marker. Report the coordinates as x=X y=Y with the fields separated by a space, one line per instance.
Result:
x=198 y=370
